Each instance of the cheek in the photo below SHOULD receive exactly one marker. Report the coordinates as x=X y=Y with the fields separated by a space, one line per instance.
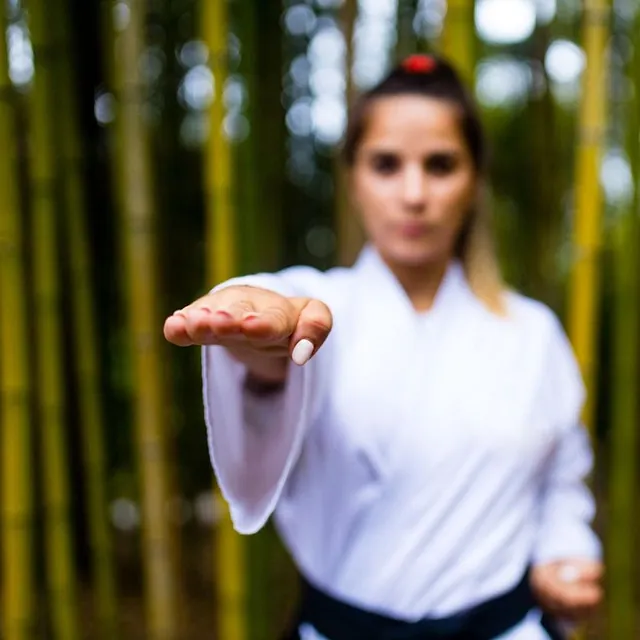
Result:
x=370 y=196
x=456 y=199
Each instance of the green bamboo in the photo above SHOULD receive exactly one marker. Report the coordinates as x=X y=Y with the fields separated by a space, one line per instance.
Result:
x=222 y=264
x=247 y=190
x=253 y=226
x=162 y=586
x=349 y=232
x=61 y=581
x=18 y=576
x=459 y=42
x=544 y=215
x=84 y=330
x=406 y=41
x=622 y=556
x=270 y=130
x=277 y=578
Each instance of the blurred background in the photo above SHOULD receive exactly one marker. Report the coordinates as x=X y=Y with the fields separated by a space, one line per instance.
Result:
x=152 y=148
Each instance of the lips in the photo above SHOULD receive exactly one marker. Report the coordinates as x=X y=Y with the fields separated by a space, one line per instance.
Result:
x=413 y=229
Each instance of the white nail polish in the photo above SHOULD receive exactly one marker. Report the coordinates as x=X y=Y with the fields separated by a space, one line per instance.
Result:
x=302 y=352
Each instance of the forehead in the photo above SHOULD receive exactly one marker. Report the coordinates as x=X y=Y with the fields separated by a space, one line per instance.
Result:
x=413 y=122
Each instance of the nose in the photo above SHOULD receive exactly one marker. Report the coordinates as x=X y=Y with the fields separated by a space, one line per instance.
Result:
x=414 y=189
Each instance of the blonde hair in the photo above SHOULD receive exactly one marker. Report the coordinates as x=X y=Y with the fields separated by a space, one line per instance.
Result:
x=477 y=253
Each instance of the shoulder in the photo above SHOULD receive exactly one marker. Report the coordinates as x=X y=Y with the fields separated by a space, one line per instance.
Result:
x=534 y=317
x=545 y=330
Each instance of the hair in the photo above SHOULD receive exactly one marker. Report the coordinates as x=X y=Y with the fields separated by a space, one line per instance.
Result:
x=433 y=77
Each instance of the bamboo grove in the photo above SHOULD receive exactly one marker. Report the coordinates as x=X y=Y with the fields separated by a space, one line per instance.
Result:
x=153 y=149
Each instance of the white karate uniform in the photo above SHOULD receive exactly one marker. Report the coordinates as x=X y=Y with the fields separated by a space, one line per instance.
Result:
x=420 y=461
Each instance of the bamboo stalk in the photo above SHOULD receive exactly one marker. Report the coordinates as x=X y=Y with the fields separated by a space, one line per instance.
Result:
x=545 y=214
x=138 y=234
x=584 y=285
x=222 y=255
x=459 y=38
x=584 y=282
x=349 y=231
x=84 y=331
x=222 y=264
x=406 y=41
x=59 y=558
x=271 y=130
x=254 y=226
x=251 y=248
x=621 y=539
x=18 y=575
x=623 y=468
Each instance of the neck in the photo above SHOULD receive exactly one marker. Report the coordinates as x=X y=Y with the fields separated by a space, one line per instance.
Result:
x=420 y=282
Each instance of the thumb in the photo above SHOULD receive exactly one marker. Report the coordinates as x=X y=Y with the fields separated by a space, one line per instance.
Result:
x=314 y=325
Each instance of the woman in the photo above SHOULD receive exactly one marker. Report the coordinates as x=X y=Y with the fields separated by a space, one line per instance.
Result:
x=412 y=426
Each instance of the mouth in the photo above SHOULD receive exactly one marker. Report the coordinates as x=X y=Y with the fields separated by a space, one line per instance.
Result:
x=414 y=229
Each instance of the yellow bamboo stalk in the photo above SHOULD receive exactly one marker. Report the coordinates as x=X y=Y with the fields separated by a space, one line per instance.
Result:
x=584 y=284
x=61 y=581
x=349 y=232
x=222 y=264
x=138 y=234
x=84 y=331
x=15 y=388
x=221 y=225
x=459 y=37
x=584 y=281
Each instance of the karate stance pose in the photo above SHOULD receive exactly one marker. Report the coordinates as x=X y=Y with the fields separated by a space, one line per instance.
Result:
x=412 y=426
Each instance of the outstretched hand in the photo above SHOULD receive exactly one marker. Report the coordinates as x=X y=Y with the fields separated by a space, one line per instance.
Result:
x=260 y=328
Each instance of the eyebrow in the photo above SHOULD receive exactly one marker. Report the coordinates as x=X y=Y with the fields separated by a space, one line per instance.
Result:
x=381 y=150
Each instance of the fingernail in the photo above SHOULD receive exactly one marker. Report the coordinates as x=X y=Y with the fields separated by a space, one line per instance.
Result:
x=205 y=309
x=223 y=314
x=302 y=352
x=250 y=315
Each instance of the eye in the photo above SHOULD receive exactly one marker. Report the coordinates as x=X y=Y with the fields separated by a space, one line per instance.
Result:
x=441 y=164
x=385 y=163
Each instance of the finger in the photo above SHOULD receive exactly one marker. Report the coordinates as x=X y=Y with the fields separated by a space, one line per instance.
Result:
x=581 y=596
x=590 y=571
x=272 y=324
x=574 y=570
x=204 y=326
x=175 y=331
x=314 y=325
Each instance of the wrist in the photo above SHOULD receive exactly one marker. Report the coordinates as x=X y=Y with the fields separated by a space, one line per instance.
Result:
x=261 y=386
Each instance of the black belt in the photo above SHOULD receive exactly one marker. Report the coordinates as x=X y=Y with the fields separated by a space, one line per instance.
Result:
x=337 y=620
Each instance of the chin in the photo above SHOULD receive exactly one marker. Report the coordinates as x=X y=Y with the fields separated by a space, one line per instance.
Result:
x=418 y=255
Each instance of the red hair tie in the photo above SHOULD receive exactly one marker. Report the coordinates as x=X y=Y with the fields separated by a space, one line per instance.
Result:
x=419 y=64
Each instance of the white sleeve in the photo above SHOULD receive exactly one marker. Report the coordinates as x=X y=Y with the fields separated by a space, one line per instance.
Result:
x=254 y=442
x=568 y=506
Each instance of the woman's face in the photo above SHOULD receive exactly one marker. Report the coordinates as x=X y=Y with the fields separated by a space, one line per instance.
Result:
x=413 y=179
